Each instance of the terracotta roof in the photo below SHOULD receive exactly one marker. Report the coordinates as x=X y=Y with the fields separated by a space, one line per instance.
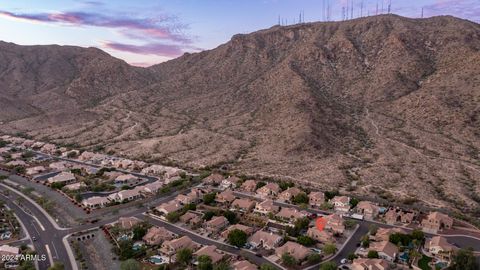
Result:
x=244 y=203
x=269 y=239
x=370 y=264
x=128 y=222
x=385 y=247
x=440 y=241
x=210 y=251
x=244 y=265
x=297 y=251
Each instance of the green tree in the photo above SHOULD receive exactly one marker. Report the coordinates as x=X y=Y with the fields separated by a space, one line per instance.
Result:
x=260 y=184
x=372 y=254
x=330 y=194
x=130 y=264
x=373 y=229
x=417 y=234
x=288 y=260
x=237 y=238
x=285 y=185
x=301 y=198
x=349 y=224
x=351 y=256
x=305 y=241
x=267 y=266
x=209 y=198
x=173 y=217
x=205 y=263
x=464 y=259
x=365 y=241
x=302 y=223
x=328 y=266
x=353 y=202
x=314 y=258
x=222 y=266
x=139 y=231
x=329 y=248
x=184 y=256
x=230 y=216
x=208 y=215
x=189 y=206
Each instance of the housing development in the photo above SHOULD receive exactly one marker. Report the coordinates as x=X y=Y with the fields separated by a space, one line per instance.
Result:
x=87 y=210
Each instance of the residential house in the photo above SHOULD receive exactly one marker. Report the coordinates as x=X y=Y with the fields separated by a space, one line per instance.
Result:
x=60 y=165
x=157 y=235
x=386 y=250
x=368 y=209
x=244 y=265
x=288 y=194
x=7 y=251
x=85 y=156
x=266 y=240
x=171 y=247
x=152 y=188
x=270 y=190
x=266 y=207
x=249 y=186
x=320 y=235
x=16 y=155
x=436 y=221
x=127 y=223
x=334 y=223
x=231 y=182
x=126 y=195
x=193 y=196
x=245 y=229
x=112 y=175
x=225 y=197
x=316 y=198
x=383 y=234
x=192 y=218
x=243 y=205
x=213 y=179
x=210 y=251
x=169 y=207
x=35 y=170
x=126 y=180
x=370 y=264
x=394 y=215
x=75 y=186
x=291 y=214
x=15 y=163
x=216 y=224
x=341 y=203
x=440 y=248
x=63 y=178
x=48 y=148
x=296 y=250
x=123 y=163
x=96 y=202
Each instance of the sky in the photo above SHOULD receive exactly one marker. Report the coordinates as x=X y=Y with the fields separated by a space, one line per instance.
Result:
x=146 y=32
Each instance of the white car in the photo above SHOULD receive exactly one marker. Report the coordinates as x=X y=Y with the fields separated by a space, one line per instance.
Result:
x=343 y=261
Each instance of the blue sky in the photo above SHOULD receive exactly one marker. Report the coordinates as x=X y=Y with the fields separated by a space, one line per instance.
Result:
x=145 y=32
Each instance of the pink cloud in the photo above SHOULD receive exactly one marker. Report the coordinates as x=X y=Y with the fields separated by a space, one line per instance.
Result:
x=150 y=48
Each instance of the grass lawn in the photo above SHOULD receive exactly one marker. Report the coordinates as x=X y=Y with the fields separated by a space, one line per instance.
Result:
x=423 y=263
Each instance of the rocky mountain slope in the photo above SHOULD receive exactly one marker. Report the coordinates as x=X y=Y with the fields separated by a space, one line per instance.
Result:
x=384 y=106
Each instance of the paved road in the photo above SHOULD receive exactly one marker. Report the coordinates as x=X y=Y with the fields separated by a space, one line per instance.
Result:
x=205 y=241
x=34 y=229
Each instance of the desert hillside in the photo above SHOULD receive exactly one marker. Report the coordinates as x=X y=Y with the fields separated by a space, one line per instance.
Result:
x=382 y=106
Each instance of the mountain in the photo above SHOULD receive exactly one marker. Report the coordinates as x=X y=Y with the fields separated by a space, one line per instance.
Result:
x=382 y=106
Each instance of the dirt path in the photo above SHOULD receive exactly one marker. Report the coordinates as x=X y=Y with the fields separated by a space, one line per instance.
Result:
x=377 y=132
